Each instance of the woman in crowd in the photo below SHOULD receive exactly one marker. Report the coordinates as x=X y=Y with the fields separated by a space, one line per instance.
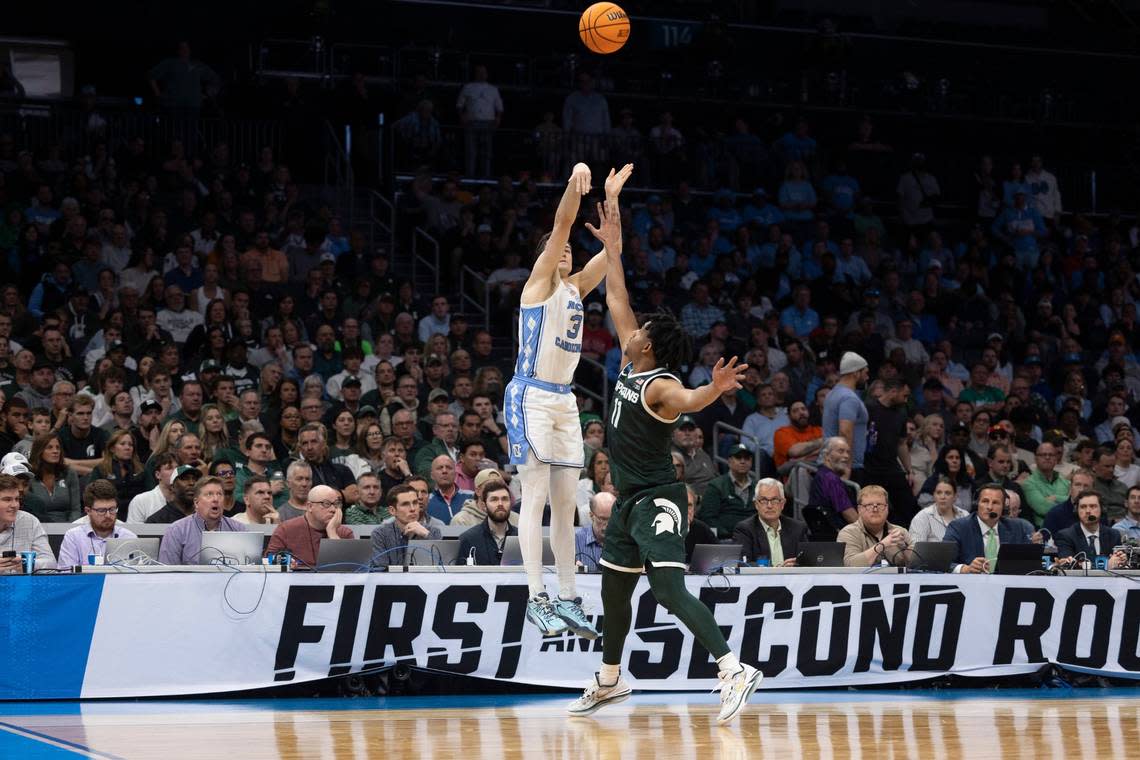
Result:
x=141 y=269
x=930 y=523
x=370 y=446
x=285 y=440
x=53 y=493
x=597 y=473
x=214 y=434
x=924 y=450
x=951 y=464
x=122 y=467
x=1126 y=471
x=202 y=298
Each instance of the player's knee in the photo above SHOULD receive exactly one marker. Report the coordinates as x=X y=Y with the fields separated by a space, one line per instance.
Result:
x=668 y=586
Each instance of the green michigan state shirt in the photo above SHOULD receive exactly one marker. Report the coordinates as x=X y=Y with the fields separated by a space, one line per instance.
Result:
x=639 y=440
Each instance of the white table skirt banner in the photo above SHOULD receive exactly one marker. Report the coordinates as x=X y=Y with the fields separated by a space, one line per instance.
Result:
x=138 y=635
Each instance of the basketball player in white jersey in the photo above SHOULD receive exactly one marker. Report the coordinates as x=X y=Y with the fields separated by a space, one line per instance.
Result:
x=541 y=414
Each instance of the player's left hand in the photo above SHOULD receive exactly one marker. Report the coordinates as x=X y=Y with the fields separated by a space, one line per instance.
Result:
x=726 y=377
x=616 y=181
x=609 y=217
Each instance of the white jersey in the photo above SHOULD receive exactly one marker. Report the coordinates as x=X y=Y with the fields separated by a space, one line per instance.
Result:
x=550 y=337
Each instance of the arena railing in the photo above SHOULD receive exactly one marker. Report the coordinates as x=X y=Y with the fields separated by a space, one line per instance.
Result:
x=382 y=217
x=338 y=169
x=45 y=123
x=473 y=292
x=425 y=263
x=602 y=398
x=723 y=433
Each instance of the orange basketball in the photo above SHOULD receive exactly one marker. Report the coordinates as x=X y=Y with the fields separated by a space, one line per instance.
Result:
x=604 y=28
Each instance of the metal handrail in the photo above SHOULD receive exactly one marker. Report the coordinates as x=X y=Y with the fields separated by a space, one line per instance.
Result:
x=604 y=396
x=480 y=283
x=382 y=215
x=338 y=163
x=720 y=428
x=418 y=234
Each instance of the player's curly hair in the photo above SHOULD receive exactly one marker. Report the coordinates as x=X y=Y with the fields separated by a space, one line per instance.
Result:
x=672 y=346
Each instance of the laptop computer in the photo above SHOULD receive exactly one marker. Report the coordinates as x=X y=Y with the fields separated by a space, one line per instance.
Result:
x=428 y=552
x=131 y=550
x=1019 y=559
x=709 y=558
x=932 y=557
x=344 y=555
x=820 y=554
x=223 y=547
x=512 y=552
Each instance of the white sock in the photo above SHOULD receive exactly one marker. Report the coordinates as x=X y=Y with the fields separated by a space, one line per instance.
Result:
x=563 y=485
x=728 y=663
x=608 y=675
x=535 y=477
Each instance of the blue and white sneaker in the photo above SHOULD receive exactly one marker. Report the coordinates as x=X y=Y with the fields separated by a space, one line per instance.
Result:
x=540 y=611
x=596 y=696
x=572 y=614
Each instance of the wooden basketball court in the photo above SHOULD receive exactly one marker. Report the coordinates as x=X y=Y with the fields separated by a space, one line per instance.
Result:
x=994 y=724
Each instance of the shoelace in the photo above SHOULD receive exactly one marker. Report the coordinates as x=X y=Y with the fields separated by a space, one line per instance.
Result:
x=727 y=682
x=547 y=614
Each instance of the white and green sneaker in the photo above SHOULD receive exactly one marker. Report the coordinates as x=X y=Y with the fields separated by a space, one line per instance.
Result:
x=540 y=611
x=735 y=691
x=572 y=614
x=596 y=696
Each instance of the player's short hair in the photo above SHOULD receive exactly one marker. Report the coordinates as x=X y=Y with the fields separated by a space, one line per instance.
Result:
x=672 y=346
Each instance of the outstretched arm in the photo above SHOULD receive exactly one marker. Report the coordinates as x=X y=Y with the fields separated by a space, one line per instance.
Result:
x=546 y=265
x=597 y=267
x=670 y=400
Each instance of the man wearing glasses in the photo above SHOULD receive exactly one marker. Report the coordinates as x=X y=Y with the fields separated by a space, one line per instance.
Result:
x=769 y=533
x=101 y=507
x=871 y=539
x=1044 y=488
x=301 y=536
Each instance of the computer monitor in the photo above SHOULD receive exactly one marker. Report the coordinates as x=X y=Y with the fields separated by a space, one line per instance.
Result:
x=344 y=555
x=1019 y=559
x=512 y=552
x=932 y=556
x=427 y=552
x=820 y=554
x=221 y=547
x=130 y=550
x=708 y=558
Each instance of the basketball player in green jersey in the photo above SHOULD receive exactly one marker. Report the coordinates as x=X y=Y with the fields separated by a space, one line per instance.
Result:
x=647 y=529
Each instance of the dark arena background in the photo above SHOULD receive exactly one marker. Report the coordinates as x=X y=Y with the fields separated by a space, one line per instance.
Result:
x=261 y=306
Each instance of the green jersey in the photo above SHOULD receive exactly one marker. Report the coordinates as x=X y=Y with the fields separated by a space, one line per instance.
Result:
x=639 y=440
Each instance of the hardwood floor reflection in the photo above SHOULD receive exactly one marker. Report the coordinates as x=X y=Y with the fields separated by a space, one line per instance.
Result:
x=643 y=729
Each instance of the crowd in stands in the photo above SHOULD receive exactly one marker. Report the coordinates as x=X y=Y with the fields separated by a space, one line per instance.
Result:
x=193 y=334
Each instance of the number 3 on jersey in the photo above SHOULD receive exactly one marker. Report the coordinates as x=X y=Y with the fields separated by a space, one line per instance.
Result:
x=575 y=326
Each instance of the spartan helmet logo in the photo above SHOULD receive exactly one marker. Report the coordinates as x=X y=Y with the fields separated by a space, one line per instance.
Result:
x=668 y=520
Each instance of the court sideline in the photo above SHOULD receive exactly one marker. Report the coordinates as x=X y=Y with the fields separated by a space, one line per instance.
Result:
x=949 y=724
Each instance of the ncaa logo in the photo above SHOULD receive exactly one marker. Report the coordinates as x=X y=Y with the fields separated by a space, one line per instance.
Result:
x=517 y=449
x=668 y=520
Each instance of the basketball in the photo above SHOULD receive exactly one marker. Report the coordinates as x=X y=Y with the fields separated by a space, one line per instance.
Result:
x=604 y=28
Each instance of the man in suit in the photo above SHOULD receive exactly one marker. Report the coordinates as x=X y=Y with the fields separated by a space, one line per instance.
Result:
x=978 y=536
x=485 y=541
x=768 y=533
x=1088 y=536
